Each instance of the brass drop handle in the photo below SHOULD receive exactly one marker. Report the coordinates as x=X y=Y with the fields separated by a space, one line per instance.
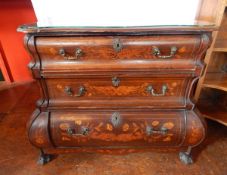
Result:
x=68 y=90
x=151 y=90
x=156 y=52
x=78 y=54
x=62 y=52
x=150 y=130
x=84 y=131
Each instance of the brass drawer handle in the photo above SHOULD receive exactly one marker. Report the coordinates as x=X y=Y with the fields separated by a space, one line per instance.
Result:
x=156 y=52
x=78 y=54
x=84 y=132
x=150 y=130
x=115 y=81
x=68 y=90
x=151 y=90
x=62 y=52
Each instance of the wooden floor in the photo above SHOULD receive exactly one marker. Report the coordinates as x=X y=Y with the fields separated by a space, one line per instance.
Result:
x=18 y=157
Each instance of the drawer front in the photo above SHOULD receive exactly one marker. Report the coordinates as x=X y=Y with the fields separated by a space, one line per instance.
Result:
x=107 y=52
x=118 y=92
x=117 y=129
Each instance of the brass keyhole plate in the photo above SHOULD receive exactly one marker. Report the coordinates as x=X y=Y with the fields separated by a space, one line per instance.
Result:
x=116 y=119
x=117 y=45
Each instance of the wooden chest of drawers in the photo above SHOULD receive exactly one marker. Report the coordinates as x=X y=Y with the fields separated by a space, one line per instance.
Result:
x=116 y=90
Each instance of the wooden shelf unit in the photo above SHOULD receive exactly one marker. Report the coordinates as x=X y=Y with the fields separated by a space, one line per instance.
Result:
x=213 y=105
x=211 y=92
x=216 y=81
x=214 y=112
x=220 y=49
x=221 y=39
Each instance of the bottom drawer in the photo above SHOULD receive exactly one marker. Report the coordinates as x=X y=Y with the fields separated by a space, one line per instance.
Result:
x=115 y=129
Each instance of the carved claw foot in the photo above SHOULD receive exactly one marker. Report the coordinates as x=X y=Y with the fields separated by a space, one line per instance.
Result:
x=44 y=158
x=185 y=158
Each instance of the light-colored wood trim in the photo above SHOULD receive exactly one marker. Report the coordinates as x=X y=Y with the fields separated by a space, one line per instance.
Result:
x=207 y=10
x=215 y=112
x=216 y=81
x=220 y=50
x=218 y=15
x=217 y=117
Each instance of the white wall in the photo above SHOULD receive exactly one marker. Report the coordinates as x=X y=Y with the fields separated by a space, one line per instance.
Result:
x=115 y=12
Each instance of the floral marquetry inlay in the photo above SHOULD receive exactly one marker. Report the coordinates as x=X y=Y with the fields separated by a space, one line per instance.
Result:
x=155 y=123
x=129 y=131
x=125 y=127
x=195 y=134
x=168 y=125
x=39 y=140
x=109 y=127
x=64 y=126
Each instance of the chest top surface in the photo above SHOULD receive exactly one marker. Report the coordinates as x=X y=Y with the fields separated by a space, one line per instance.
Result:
x=118 y=30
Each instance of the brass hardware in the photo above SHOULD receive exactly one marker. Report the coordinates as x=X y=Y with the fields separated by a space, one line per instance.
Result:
x=224 y=68
x=115 y=81
x=117 y=45
x=62 y=52
x=150 y=130
x=116 y=119
x=70 y=131
x=151 y=90
x=78 y=53
x=68 y=90
x=156 y=52
x=84 y=131
x=81 y=91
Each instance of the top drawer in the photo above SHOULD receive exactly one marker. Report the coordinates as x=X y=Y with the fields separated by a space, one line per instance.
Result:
x=107 y=52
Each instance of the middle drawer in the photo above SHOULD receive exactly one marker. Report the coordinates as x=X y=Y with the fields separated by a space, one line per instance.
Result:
x=106 y=92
